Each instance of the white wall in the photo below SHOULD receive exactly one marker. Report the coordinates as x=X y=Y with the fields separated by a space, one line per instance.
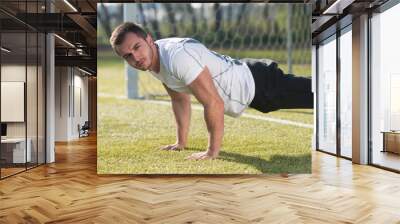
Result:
x=17 y=73
x=79 y=112
x=13 y=73
x=69 y=85
x=62 y=80
x=82 y=83
x=33 y=126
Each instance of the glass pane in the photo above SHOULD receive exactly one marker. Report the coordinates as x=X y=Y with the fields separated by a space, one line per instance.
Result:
x=32 y=82
x=41 y=99
x=385 y=114
x=31 y=99
x=346 y=93
x=23 y=60
x=13 y=86
x=327 y=96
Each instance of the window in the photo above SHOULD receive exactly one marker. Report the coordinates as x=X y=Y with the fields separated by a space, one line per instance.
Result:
x=385 y=84
x=346 y=92
x=327 y=95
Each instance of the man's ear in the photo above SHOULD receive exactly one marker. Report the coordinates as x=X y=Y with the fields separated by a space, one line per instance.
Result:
x=149 y=39
x=116 y=50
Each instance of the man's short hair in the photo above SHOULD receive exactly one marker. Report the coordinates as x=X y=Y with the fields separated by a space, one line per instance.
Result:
x=119 y=33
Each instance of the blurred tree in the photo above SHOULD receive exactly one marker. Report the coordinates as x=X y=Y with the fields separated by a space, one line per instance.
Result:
x=119 y=14
x=218 y=17
x=229 y=16
x=154 y=22
x=141 y=13
x=203 y=17
x=266 y=12
x=190 y=10
x=241 y=14
x=105 y=19
x=171 y=18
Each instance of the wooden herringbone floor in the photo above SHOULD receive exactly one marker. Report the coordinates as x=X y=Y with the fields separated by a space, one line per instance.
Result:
x=69 y=191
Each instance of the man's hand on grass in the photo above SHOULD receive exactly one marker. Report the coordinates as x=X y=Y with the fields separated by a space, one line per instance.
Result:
x=174 y=147
x=203 y=155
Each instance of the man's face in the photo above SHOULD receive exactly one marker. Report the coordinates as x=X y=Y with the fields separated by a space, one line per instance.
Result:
x=136 y=51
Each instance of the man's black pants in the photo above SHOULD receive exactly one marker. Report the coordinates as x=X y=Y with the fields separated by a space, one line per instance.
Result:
x=276 y=90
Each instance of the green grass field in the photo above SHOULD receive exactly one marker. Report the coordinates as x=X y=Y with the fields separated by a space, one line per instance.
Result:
x=130 y=133
x=112 y=82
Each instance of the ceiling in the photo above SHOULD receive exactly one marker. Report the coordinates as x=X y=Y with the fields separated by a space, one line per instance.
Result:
x=74 y=22
x=330 y=13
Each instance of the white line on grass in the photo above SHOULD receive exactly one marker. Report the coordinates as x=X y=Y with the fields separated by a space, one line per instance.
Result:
x=198 y=107
x=277 y=120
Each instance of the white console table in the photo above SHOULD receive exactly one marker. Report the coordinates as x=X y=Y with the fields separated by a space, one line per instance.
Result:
x=19 y=155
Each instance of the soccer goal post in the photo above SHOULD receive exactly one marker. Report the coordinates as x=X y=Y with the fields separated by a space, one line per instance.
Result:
x=280 y=32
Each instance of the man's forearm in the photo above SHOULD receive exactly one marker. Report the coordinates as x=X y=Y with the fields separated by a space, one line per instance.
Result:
x=182 y=111
x=214 y=116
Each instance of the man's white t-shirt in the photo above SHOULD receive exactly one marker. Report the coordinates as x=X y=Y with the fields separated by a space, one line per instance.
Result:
x=183 y=59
